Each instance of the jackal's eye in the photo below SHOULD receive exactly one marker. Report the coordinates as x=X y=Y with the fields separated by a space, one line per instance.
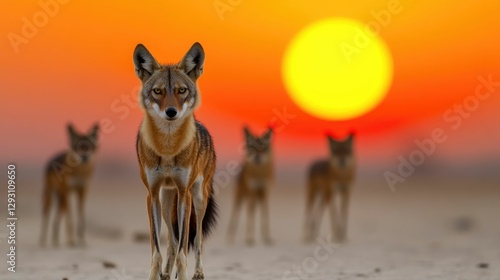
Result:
x=181 y=90
x=157 y=91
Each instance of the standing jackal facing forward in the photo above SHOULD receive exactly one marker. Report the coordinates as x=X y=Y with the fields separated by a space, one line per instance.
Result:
x=67 y=173
x=176 y=158
x=254 y=182
x=327 y=180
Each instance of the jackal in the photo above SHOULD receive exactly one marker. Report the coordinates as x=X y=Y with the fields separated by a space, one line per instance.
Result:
x=176 y=158
x=253 y=184
x=328 y=180
x=69 y=172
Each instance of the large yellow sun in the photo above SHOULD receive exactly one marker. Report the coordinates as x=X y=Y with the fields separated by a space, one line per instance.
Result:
x=337 y=69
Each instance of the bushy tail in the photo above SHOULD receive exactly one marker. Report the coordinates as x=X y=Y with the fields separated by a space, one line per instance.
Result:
x=209 y=221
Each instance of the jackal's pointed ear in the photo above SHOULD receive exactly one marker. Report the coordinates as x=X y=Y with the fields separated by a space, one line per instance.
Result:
x=192 y=63
x=145 y=64
x=329 y=137
x=350 y=138
x=73 y=135
x=94 y=132
x=332 y=141
x=248 y=135
x=71 y=129
x=268 y=135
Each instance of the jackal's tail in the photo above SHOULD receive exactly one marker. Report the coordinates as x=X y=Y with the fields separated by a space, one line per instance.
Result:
x=209 y=221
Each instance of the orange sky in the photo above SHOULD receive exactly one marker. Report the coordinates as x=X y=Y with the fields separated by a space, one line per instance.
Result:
x=79 y=63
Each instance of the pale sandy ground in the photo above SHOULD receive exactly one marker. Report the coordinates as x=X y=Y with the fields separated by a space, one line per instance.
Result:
x=409 y=234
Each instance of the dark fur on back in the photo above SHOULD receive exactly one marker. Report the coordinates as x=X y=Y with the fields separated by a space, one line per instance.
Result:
x=319 y=167
x=56 y=163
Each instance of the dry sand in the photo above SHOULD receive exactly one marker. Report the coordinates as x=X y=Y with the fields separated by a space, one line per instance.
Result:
x=422 y=231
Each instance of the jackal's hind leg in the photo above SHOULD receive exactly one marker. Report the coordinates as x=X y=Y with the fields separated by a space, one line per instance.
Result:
x=62 y=206
x=70 y=236
x=250 y=239
x=315 y=205
x=319 y=210
x=200 y=207
x=155 y=229
x=335 y=218
x=266 y=232
x=81 y=216
x=309 y=216
x=233 y=222
x=47 y=199
x=344 y=213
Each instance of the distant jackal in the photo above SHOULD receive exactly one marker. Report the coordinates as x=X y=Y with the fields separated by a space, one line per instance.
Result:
x=69 y=172
x=253 y=185
x=328 y=180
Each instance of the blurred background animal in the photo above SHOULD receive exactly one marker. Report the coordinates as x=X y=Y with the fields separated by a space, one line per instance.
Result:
x=253 y=185
x=329 y=184
x=69 y=172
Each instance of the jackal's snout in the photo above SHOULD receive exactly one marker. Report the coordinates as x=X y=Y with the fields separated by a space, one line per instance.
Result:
x=341 y=151
x=171 y=112
x=84 y=146
x=258 y=149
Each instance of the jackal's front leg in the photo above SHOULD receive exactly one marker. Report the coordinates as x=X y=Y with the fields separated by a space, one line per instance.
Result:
x=334 y=216
x=62 y=207
x=233 y=222
x=251 y=221
x=321 y=205
x=47 y=199
x=155 y=229
x=309 y=218
x=344 y=212
x=168 y=202
x=266 y=233
x=81 y=216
